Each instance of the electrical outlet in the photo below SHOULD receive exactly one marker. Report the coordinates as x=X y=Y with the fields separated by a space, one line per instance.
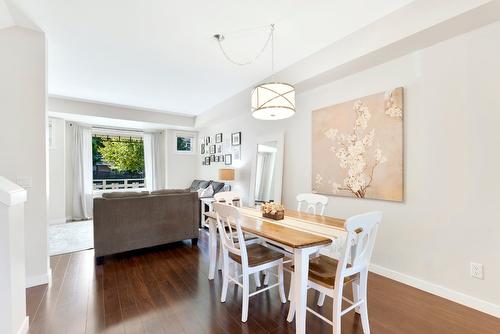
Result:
x=476 y=270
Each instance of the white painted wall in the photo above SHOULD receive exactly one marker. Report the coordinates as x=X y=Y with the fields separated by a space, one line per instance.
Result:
x=23 y=135
x=452 y=111
x=57 y=173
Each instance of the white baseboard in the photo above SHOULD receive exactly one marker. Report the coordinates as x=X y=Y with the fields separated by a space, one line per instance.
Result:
x=455 y=296
x=25 y=326
x=39 y=280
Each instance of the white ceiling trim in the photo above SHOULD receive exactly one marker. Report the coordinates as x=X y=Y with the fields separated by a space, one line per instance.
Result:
x=114 y=115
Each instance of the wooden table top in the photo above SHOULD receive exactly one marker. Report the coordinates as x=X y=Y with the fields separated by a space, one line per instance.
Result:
x=253 y=223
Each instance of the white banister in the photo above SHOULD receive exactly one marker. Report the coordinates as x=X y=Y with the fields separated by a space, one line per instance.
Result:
x=13 y=317
x=10 y=193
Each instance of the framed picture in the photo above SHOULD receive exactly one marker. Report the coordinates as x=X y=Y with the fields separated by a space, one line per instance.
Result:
x=374 y=169
x=212 y=149
x=219 y=148
x=202 y=150
x=237 y=153
x=218 y=138
x=236 y=138
x=212 y=158
x=207 y=160
x=228 y=159
x=217 y=158
x=221 y=158
x=207 y=141
x=185 y=143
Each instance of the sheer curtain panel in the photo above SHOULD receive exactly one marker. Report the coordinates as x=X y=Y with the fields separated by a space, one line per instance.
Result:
x=154 y=160
x=82 y=172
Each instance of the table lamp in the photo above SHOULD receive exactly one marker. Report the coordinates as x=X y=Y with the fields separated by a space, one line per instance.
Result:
x=226 y=174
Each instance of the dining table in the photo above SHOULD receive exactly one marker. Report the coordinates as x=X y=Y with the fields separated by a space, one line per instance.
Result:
x=299 y=234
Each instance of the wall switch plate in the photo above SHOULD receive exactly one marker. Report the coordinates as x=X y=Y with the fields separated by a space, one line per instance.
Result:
x=476 y=270
x=24 y=181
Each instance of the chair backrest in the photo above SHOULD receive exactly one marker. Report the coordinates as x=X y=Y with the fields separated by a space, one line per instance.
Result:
x=228 y=197
x=312 y=201
x=228 y=215
x=358 y=248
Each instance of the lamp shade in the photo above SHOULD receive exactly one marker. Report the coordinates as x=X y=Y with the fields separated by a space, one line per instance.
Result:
x=273 y=101
x=226 y=174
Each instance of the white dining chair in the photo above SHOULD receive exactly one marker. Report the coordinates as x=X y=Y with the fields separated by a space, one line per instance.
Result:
x=228 y=197
x=329 y=276
x=253 y=258
x=312 y=202
x=234 y=198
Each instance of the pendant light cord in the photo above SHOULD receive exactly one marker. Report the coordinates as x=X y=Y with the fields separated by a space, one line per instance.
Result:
x=272 y=52
x=270 y=38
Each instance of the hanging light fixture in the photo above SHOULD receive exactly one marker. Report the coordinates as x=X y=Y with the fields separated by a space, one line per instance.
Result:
x=271 y=100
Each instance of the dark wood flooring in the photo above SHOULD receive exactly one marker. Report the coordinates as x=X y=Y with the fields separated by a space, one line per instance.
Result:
x=167 y=291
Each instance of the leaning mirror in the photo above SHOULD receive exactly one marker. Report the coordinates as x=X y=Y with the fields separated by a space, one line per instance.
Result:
x=267 y=170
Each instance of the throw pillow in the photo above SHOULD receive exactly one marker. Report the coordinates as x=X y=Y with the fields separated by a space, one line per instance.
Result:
x=207 y=192
x=217 y=186
x=195 y=185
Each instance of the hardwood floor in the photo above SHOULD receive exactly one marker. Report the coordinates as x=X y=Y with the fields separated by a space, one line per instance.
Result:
x=167 y=291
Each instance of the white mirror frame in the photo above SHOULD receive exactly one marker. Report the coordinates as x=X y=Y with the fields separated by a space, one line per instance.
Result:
x=279 y=138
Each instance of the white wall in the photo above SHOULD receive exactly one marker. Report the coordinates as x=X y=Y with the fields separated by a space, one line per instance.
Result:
x=23 y=135
x=57 y=173
x=450 y=216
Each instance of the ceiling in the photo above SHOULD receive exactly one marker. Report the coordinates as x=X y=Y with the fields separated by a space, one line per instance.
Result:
x=160 y=54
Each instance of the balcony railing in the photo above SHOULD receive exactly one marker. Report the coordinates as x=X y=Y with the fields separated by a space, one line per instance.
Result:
x=117 y=184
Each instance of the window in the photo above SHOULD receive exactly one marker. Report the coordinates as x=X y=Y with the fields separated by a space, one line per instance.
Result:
x=184 y=143
x=118 y=161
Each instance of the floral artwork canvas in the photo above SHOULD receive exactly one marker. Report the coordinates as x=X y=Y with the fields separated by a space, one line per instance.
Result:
x=357 y=147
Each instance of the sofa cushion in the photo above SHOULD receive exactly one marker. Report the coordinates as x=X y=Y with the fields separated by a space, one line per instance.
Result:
x=169 y=191
x=217 y=186
x=124 y=194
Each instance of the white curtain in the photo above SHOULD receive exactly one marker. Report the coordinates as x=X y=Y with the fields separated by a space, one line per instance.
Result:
x=82 y=172
x=154 y=166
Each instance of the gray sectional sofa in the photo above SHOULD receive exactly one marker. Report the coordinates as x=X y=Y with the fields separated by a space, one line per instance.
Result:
x=125 y=221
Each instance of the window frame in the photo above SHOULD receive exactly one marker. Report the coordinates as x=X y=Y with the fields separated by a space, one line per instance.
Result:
x=123 y=133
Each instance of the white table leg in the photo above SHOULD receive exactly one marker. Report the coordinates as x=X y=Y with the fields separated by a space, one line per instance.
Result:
x=301 y=263
x=212 y=241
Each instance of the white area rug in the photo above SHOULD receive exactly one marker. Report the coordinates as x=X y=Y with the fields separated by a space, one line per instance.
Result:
x=70 y=237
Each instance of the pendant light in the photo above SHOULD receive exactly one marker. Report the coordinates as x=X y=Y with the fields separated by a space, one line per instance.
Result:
x=271 y=100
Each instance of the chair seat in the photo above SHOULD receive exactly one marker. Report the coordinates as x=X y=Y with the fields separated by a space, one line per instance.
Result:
x=257 y=255
x=322 y=270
